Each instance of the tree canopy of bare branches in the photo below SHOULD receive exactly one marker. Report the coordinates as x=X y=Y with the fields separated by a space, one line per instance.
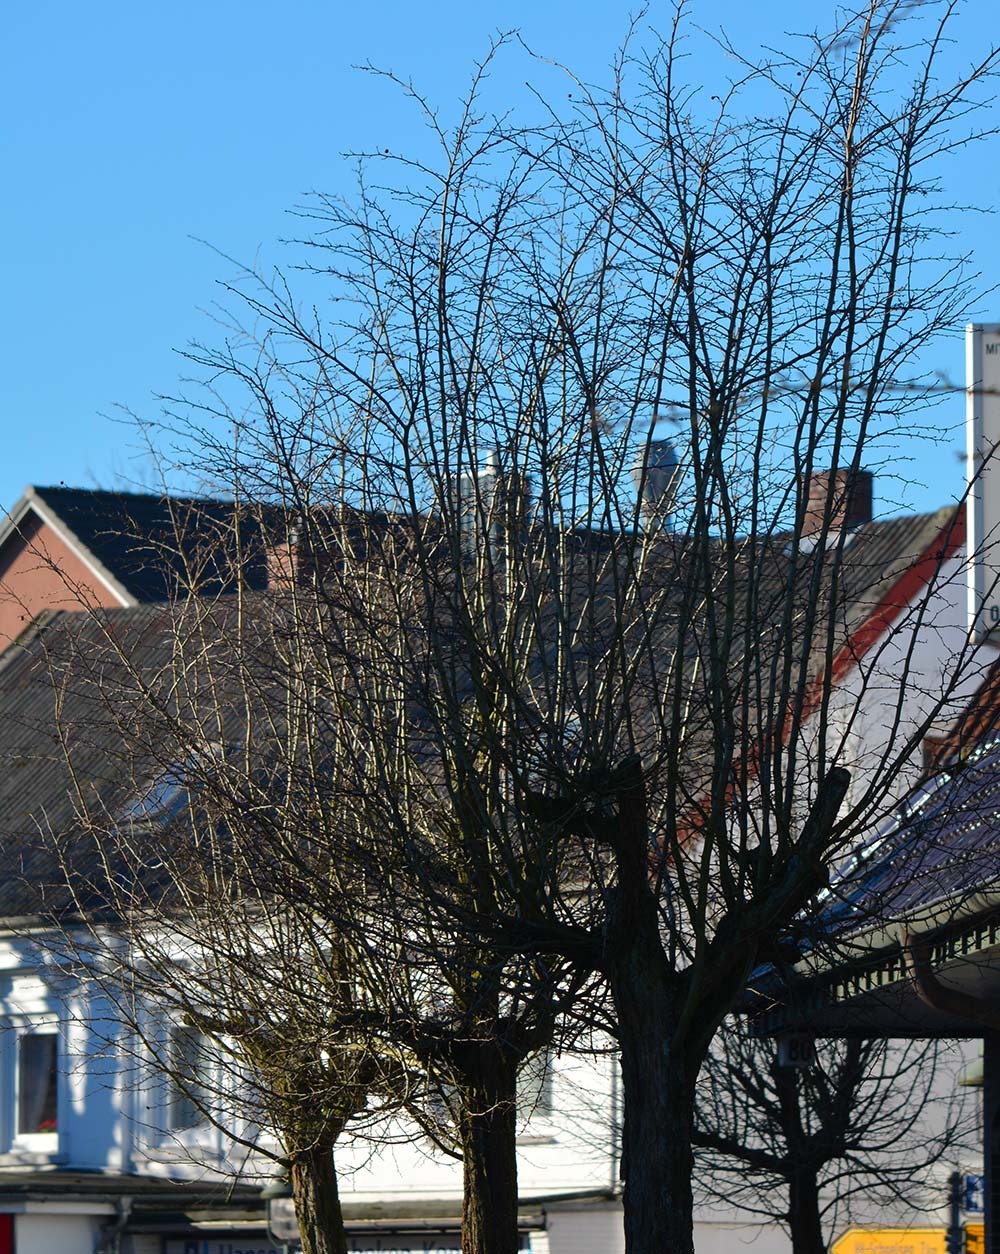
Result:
x=536 y=727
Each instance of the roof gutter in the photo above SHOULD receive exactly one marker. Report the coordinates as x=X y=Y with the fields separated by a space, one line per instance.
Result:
x=938 y=996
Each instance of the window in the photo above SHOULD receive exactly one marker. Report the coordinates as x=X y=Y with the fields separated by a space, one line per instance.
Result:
x=37 y=1084
x=534 y=1087
x=189 y=1074
x=170 y=790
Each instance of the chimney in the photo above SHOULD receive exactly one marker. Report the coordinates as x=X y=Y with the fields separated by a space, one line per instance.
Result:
x=656 y=476
x=290 y=559
x=494 y=505
x=283 y=561
x=842 y=497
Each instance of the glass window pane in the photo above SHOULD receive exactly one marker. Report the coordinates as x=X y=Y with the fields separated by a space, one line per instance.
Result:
x=534 y=1086
x=188 y=1078
x=37 y=1082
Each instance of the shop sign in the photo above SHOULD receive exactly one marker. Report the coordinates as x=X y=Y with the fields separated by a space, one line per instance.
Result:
x=411 y=1243
x=905 y=1241
x=225 y=1245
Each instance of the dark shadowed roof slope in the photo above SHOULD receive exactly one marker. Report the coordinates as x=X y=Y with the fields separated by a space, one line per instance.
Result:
x=67 y=661
x=56 y=693
x=154 y=544
x=939 y=852
x=931 y=870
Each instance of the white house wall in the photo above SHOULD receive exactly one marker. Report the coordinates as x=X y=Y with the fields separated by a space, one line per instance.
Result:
x=906 y=678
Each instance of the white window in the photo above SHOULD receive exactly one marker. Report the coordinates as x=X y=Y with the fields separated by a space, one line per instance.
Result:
x=189 y=1079
x=37 y=1084
x=534 y=1087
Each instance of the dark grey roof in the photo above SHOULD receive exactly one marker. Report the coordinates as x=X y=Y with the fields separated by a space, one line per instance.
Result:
x=67 y=661
x=153 y=543
x=53 y=697
x=932 y=868
x=939 y=851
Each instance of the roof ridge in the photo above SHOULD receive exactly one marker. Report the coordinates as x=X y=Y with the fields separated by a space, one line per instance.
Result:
x=128 y=494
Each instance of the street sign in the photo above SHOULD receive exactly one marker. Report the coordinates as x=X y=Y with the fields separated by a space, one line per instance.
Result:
x=905 y=1241
x=973 y=1200
x=797 y=1050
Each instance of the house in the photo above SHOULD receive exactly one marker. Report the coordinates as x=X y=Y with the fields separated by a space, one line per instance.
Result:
x=97 y=1148
x=66 y=548
x=906 y=941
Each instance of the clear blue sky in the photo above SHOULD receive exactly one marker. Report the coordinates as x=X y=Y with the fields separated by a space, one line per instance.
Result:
x=133 y=131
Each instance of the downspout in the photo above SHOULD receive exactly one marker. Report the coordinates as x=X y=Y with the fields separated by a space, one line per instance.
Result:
x=111 y=1233
x=951 y=1001
x=614 y=1149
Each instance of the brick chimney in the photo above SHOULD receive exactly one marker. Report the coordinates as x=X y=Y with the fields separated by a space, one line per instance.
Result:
x=843 y=496
x=288 y=561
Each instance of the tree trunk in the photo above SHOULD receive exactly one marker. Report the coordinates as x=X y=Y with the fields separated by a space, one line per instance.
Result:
x=317 y=1201
x=658 y=1090
x=804 y=1222
x=657 y=1084
x=489 y=1155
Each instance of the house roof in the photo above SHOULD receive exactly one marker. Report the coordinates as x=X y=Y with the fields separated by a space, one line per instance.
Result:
x=977 y=725
x=938 y=856
x=885 y=564
x=55 y=686
x=146 y=546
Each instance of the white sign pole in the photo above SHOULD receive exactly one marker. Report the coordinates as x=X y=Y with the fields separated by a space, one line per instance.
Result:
x=982 y=388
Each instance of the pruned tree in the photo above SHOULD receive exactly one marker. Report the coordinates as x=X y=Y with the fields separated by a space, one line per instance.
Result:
x=161 y=879
x=204 y=873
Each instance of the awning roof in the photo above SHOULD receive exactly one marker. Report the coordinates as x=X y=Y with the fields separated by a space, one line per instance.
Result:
x=933 y=868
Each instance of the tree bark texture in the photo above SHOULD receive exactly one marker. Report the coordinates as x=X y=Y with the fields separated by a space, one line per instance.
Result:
x=657 y=1158
x=489 y=1155
x=804 y=1222
x=657 y=1083
x=317 y=1201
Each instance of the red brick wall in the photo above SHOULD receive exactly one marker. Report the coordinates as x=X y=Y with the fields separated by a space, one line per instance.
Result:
x=38 y=572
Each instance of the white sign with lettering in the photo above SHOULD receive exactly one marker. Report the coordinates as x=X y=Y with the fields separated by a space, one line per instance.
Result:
x=415 y=1243
x=225 y=1245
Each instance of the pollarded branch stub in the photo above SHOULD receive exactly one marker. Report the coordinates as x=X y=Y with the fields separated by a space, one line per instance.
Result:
x=805 y=869
x=811 y=847
x=593 y=798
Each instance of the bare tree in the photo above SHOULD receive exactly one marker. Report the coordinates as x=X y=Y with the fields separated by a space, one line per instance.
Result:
x=863 y=1127
x=208 y=876
x=579 y=731
x=163 y=884
x=616 y=731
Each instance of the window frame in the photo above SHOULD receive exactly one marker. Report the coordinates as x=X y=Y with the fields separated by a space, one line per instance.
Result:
x=47 y=1143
